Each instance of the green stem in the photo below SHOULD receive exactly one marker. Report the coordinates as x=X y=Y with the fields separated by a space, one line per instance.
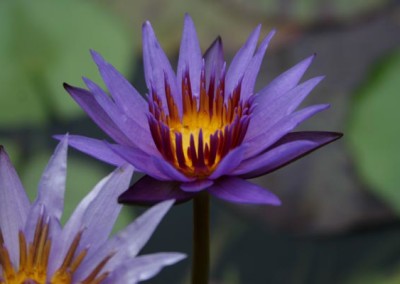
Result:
x=201 y=238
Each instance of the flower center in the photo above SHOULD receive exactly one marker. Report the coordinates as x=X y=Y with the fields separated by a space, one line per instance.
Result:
x=34 y=257
x=211 y=125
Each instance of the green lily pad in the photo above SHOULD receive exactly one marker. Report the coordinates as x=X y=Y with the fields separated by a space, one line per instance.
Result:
x=374 y=131
x=45 y=43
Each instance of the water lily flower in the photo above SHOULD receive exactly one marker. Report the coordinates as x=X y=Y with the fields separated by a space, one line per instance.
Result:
x=35 y=248
x=203 y=127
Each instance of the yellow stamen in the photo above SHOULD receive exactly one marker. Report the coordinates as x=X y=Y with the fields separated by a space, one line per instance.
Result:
x=34 y=258
x=210 y=125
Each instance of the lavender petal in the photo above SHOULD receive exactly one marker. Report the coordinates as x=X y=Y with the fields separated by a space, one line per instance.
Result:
x=95 y=148
x=190 y=56
x=123 y=93
x=14 y=205
x=268 y=113
x=288 y=149
x=240 y=61
x=265 y=139
x=237 y=190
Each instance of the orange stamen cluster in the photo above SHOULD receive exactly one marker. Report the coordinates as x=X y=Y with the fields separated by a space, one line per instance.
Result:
x=211 y=125
x=34 y=258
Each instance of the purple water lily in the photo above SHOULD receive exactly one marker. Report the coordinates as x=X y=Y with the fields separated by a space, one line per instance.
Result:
x=34 y=248
x=203 y=128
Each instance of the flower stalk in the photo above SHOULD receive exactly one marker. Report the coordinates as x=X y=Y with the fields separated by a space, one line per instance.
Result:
x=201 y=238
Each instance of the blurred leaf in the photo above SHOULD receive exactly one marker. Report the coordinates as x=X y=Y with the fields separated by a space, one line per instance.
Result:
x=309 y=10
x=45 y=43
x=82 y=176
x=374 y=131
x=375 y=277
x=344 y=8
x=12 y=148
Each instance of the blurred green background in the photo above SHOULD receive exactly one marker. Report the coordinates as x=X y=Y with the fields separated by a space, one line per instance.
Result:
x=339 y=222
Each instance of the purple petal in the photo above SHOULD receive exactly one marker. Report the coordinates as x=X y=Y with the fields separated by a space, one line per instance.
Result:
x=14 y=205
x=142 y=228
x=167 y=169
x=97 y=212
x=190 y=56
x=157 y=67
x=143 y=267
x=36 y=211
x=95 y=148
x=196 y=186
x=286 y=81
x=101 y=214
x=89 y=104
x=228 y=163
x=272 y=158
x=237 y=190
x=56 y=245
x=288 y=149
x=140 y=160
x=127 y=243
x=250 y=76
x=241 y=61
x=52 y=183
x=265 y=139
x=138 y=134
x=267 y=113
x=149 y=191
x=214 y=60
x=124 y=94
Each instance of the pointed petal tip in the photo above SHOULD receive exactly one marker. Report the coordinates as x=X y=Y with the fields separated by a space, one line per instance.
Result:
x=182 y=256
x=325 y=106
x=89 y=83
x=3 y=153
x=308 y=60
x=72 y=89
x=164 y=206
x=94 y=54
x=314 y=81
x=146 y=25
x=67 y=86
x=322 y=107
x=58 y=136
x=217 y=42
x=64 y=139
x=337 y=135
x=311 y=57
x=97 y=58
x=188 y=18
x=271 y=33
x=275 y=201
x=177 y=257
